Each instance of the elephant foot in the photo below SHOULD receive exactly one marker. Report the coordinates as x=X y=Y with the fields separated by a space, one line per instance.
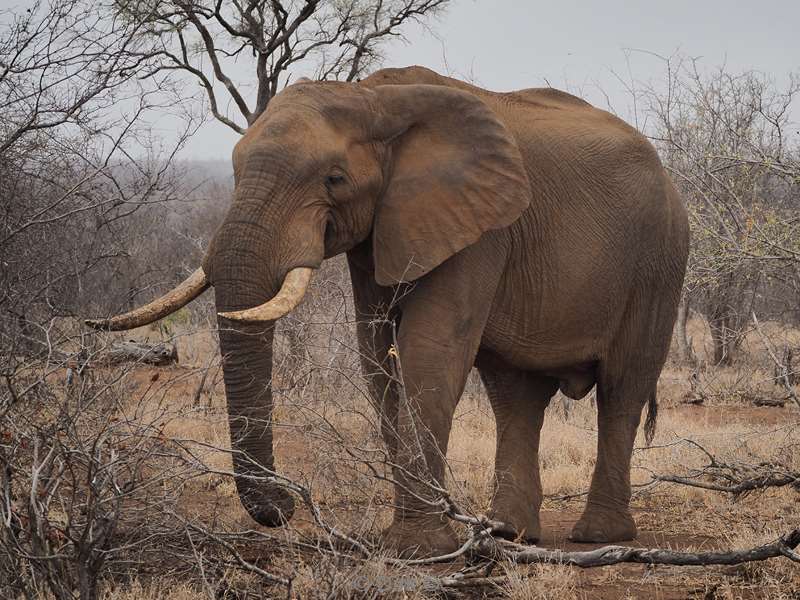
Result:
x=598 y=525
x=521 y=523
x=412 y=539
x=270 y=506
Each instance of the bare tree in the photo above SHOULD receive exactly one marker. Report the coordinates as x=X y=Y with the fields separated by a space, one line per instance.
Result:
x=726 y=139
x=329 y=39
x=77 y=159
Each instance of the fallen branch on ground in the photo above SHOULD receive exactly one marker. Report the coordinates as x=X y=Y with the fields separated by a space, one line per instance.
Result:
x=759 y=482
x=153 y=354
x=510 y=552
x=612 y=555
x=482 y=552
x=736 y=478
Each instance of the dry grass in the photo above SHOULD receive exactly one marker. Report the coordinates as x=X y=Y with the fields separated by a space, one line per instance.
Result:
x=541 y=582
x=153 y=590
x=317 y=422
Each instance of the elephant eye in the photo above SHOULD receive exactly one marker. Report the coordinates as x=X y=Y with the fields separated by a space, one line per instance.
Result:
x=331 y=180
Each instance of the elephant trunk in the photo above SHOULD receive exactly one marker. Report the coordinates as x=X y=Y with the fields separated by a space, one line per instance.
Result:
x=259 y=263
x=247 y=368
x=242 y=269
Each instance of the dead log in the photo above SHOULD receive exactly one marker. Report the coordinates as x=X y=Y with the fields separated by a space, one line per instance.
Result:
x=612 y=555
x=160 y=354
x=776 y=402
x=693 y=399
x=486 y=552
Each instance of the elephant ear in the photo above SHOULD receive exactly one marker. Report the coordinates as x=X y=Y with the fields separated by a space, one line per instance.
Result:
x=456 y=172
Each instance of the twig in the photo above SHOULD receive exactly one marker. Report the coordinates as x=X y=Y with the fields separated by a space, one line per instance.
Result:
x=747 y=485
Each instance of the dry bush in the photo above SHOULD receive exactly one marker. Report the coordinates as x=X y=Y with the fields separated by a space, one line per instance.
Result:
x=182 y=521
x=729 y=143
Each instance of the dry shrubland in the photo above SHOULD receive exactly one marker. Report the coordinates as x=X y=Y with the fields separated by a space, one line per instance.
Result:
x=144 y=451
x=115 y=480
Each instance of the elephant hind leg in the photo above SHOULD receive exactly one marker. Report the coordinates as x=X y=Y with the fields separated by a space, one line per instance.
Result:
x=625 y=385
x=626 y=381
x=518 y=401
x=607 y=516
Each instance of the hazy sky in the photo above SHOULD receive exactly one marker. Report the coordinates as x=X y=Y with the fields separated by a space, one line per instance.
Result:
x=579 y=45
x=576 y=45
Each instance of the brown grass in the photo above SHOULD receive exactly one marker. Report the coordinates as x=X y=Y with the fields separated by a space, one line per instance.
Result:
x=317 y=422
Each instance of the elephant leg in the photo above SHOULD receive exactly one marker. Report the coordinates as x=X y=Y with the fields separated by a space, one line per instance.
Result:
x=518 y=400
x=442 y=322
x=374 y=345
x=376 y=319
x=607 y=516
x=627 y=380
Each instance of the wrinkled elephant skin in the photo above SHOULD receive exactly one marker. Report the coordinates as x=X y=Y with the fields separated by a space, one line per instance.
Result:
x=546 y=246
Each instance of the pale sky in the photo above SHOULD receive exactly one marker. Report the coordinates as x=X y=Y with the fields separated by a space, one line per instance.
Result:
x=579 y=45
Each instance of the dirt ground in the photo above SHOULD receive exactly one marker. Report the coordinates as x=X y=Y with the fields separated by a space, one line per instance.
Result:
x=320 y=412
x=669 y=516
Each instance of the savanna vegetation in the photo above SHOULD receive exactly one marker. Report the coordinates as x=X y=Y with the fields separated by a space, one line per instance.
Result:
x=115 y=473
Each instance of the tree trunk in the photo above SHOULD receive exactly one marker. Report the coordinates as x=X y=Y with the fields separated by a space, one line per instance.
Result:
x=686 y=353
x=720 y=336
x=723 y=320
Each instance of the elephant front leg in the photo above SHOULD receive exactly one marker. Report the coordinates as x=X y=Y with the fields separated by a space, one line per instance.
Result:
x=375 y=341
x=441 y=327
x=377 y=318
x=434 y=376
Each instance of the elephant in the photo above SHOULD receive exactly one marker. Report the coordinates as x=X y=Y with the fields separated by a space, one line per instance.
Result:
x=534 y=237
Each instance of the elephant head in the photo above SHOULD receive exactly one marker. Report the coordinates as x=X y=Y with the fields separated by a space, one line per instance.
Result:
x=420 y=170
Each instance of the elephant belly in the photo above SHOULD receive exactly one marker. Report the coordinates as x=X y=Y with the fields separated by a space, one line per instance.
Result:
x=562 y=332
x=569 y=354
x=574 y=381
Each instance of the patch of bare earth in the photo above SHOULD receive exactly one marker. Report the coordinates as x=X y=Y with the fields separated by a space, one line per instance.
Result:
x=669 y=516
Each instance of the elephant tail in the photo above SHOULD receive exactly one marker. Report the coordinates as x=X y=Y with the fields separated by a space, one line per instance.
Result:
x=650 y=420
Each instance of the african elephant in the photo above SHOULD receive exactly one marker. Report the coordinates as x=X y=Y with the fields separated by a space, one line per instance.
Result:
x=540 y=240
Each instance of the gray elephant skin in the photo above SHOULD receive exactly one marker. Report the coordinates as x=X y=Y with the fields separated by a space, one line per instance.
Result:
x=539 y=238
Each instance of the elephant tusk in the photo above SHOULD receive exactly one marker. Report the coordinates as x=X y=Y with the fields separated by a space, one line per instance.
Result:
x=180 y=296
x=291 y=293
